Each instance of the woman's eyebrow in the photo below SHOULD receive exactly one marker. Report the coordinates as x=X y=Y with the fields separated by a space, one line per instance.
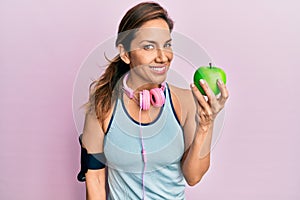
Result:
x=169 y=40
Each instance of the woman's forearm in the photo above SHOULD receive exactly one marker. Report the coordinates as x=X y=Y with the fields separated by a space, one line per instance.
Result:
x=197 y=159
x=95 y=186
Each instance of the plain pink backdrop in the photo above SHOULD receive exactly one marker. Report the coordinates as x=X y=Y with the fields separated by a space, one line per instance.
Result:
x=43 y=43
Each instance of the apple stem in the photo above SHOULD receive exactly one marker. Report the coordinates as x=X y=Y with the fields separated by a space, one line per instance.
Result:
x=209 y=65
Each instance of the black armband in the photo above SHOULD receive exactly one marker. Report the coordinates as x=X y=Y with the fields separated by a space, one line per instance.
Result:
x=89 y=161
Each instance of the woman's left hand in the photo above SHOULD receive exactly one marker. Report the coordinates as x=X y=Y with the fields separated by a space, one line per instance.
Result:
x=207 y=110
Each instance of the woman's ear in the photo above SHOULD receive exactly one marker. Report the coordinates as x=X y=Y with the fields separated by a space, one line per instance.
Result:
x=123 y=54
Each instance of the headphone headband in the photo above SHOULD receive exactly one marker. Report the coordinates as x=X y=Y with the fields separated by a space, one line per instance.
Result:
x=130 y=93
x=155 y=96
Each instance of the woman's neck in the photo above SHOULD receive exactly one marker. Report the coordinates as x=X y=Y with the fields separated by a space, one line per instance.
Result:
x=139 y=85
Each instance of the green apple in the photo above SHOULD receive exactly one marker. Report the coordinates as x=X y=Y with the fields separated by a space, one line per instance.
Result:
x=210 y=74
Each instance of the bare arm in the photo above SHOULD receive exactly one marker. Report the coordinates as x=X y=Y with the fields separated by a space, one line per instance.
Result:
x=196 y=159
x=198 y=129
x=95 y=184
x=92 y=140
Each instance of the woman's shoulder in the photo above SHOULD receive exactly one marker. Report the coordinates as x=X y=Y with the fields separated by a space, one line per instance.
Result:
x=183 y=101
x=182 y=94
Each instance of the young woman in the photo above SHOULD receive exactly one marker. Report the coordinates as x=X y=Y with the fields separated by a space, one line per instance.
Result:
x=145 y=138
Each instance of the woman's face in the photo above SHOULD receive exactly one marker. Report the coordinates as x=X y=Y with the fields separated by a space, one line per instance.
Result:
x=151 y=52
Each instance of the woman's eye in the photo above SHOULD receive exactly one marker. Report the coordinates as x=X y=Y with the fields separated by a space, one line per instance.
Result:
x=168 y=45
x=148 y=47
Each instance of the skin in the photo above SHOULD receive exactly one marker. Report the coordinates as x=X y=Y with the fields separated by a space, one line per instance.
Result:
x=152 y=48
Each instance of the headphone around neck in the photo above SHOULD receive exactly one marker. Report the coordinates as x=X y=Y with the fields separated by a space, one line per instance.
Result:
x=154 y=96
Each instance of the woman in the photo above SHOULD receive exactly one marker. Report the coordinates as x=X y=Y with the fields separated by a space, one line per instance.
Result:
x=150 y=137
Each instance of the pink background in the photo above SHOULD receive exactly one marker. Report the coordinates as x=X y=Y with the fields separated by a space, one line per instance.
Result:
x=43 y=43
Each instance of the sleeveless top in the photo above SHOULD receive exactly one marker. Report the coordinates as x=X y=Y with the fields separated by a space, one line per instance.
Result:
x=164 y=144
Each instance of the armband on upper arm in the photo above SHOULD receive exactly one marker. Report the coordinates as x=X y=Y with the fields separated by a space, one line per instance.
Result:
x=89 y=161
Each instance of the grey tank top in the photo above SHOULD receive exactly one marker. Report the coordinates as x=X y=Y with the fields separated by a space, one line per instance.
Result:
x=164 y=144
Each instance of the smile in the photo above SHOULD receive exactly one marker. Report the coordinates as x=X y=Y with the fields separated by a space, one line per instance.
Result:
x=160 y=69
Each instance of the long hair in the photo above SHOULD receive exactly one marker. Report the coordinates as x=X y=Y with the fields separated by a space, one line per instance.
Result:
x=102 y=90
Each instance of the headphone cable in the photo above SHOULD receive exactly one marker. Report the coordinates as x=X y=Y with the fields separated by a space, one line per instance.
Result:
x=143 y=153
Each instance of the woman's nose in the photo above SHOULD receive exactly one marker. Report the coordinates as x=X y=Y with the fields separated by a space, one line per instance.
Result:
x=161 y=56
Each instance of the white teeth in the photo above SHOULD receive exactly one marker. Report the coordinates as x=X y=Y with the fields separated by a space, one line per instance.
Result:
x=159 y=69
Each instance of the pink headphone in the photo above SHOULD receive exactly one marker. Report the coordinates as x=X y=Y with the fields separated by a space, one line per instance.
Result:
x=155 y=96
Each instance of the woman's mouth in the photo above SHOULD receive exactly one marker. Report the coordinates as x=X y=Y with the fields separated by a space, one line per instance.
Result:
x=159 y=69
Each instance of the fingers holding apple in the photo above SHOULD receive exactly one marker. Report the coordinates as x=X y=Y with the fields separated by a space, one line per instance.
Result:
x=210 y=74
x=210 y=81
x=203 y=105
x=224 y=92
x=207 y=91
x=204 y=112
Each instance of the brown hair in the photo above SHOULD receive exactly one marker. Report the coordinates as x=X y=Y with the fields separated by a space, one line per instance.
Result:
x=101 y=90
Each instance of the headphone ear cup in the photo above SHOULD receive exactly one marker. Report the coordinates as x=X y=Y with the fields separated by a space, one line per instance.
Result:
x=145 y=100
x=157 y=97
